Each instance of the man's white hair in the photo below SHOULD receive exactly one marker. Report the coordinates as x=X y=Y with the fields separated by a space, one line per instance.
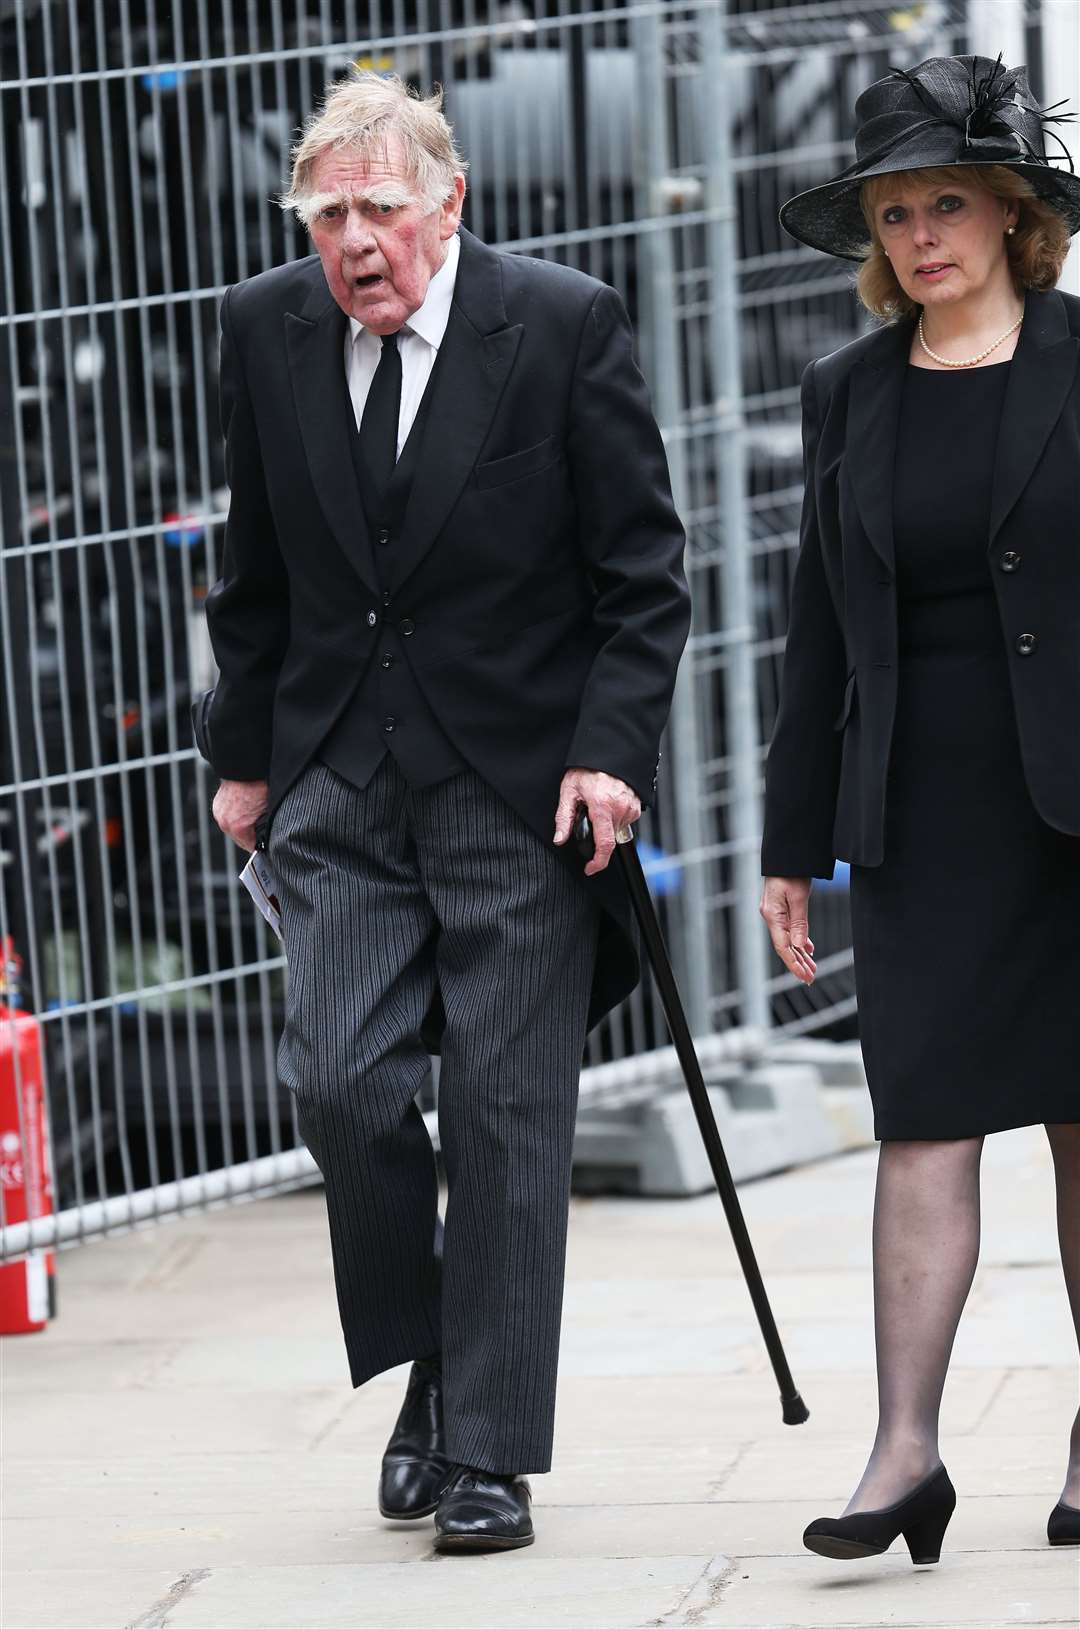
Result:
x=360 y=114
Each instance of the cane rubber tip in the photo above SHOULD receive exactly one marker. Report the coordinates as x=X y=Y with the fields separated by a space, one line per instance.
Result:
x=795 y=1410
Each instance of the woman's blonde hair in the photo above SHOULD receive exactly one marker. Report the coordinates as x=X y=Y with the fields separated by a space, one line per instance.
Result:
x=1036 y=250
x=360 y=113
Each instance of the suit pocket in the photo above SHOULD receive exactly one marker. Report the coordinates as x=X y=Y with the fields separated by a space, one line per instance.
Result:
x=529 y=461
x=849 y=702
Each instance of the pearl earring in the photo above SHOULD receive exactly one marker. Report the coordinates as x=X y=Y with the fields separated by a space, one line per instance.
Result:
x=1009 y=230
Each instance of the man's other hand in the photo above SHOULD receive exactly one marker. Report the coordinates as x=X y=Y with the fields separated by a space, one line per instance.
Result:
x=237 y=806
x=610 y=802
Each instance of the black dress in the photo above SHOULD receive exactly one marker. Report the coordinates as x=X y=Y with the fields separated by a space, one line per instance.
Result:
x=964 y=938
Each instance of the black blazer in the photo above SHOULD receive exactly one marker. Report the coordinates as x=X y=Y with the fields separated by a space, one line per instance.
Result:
x=539 y=559
x=827 y=764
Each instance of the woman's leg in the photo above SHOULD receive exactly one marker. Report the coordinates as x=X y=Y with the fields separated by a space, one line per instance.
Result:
x=926 y=1246
x=1065 y=1145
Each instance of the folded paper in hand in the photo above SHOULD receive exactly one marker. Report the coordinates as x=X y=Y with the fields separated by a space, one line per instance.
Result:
x=258 y=879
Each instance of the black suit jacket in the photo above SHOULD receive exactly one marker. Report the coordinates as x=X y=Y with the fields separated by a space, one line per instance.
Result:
x=827 y=764
x=539 y=559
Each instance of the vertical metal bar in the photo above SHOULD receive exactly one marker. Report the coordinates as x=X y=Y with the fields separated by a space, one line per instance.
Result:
x=29 y=837
x=215 y=852
x=20 y=877
x=660 y=333
x=997 y=25
x=500 y=221
x=115 y=453
x=1061 y=76
x=191 y=144
x=740 y=694
x=577 y=178
x=102 y=977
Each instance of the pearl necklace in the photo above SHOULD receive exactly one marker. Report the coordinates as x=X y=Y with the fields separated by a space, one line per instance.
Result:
x=968 y=361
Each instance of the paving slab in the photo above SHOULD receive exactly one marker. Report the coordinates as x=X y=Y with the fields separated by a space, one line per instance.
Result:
x=972 y=1591
x=456 y=1592
x=98 y=1598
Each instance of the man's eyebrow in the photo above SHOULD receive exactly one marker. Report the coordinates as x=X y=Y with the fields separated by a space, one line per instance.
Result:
x=377 y=192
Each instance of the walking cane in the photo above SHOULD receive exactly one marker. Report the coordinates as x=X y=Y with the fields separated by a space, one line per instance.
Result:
x=795 y=1410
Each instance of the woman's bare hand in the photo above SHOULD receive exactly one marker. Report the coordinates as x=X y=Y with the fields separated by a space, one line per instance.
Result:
x=784 y=905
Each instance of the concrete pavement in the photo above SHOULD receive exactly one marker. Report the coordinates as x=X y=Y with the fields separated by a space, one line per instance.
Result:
x=181 y=1448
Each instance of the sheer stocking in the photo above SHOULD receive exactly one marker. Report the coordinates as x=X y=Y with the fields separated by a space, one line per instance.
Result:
x=1065 y=1146
x=926 y=1247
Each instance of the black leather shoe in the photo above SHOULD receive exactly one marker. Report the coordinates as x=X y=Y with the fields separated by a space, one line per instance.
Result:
x=922 y=1518
x=415 y=1468
x=1064 y=1525
x=482 y=1511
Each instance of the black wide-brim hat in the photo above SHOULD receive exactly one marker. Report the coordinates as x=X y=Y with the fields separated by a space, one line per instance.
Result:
x=948 y=110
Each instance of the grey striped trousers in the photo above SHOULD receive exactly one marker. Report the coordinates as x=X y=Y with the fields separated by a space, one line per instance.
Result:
x=386 y=892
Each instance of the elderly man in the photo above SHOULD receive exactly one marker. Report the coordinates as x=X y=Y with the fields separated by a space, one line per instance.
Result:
x=450 y=614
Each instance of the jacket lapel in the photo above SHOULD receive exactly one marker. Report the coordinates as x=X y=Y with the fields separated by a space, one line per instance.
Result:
x=1042 y=373
x=873 y=417
x=316 y=349
x=474 y=363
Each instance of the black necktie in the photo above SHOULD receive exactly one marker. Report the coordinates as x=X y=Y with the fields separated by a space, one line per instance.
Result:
x=379 y=423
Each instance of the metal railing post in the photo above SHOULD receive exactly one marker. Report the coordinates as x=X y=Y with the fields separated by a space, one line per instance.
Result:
x=661 y=349
x=740 y=691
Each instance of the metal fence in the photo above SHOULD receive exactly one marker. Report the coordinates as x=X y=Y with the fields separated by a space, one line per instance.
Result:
x=140 y=147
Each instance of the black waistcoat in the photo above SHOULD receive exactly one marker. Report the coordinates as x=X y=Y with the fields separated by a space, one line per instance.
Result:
x=388 y=711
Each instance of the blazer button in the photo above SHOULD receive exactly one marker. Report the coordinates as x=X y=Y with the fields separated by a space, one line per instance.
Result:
x=1010 y=561
x=1026 y=643
x=389 y=725
x=407 y=627
x=372 y=618
x=383 y=535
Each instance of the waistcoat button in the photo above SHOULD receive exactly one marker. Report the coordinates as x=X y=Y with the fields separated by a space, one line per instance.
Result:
x=1010 y=561
x=1026 y=643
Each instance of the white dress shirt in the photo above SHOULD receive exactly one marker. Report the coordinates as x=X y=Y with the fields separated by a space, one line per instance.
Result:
x=418 y=343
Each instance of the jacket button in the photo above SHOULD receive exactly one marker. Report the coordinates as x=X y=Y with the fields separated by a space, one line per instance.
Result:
x=1010 y=561
x=1026 y=643
x=383 y=535
x=407 y=626
x=372 y=618
x=389 y=725
x=386 y=599
x=387 y=661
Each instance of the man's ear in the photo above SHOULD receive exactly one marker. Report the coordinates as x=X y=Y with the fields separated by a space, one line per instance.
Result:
x=451 y=209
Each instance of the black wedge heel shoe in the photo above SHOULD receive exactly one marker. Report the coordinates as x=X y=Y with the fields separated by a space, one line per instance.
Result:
x=1064 y=1525
x=922 y=1518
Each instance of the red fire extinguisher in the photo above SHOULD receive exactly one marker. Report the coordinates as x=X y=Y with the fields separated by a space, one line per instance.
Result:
x=27 y=1286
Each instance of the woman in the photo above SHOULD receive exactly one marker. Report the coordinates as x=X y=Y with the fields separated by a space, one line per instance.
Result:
x=929 y=723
